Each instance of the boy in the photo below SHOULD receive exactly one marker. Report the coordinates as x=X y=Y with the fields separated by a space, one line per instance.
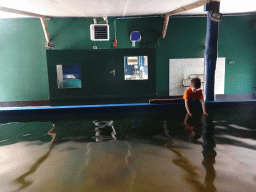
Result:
x=193 y=97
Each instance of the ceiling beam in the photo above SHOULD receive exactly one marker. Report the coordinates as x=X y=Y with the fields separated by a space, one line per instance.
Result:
x=188 y=7
x=197 y=4
x=15 y=11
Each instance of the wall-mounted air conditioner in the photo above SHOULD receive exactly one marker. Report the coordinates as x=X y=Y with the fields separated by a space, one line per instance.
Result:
x=99 y=32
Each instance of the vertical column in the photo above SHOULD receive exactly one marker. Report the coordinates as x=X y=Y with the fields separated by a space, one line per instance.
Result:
x=211 y=49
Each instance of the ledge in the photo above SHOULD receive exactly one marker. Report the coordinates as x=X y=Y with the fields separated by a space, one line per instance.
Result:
x=110 y=111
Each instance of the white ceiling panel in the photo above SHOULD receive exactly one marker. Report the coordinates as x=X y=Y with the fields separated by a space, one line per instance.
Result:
x=10 y=15
x=100 y=8
x=235 y=6
x=153 y=7
x=229 y=6
x=42 y=7
x=96 y=8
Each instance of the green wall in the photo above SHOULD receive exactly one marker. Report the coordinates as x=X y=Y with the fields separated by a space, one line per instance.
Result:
x=23 y=74
x=23 y=58
x=237 y=43
x=184 y=39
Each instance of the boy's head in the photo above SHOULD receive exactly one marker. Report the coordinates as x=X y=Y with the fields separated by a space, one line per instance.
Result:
x=195 y=84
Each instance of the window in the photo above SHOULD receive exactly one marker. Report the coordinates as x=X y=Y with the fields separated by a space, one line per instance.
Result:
x=136 y=68
x=68 y=76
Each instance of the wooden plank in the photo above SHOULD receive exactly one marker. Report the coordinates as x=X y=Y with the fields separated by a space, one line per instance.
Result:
x=25 y=103
x=178 y=100
x=188 y=7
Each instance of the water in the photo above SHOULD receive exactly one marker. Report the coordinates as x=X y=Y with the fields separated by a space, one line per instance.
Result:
x=129 y=154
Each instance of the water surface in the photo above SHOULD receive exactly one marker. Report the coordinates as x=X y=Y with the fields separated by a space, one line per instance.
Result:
x=129 y=154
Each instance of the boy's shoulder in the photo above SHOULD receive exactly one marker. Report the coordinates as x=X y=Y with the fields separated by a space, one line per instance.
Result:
x=187 y=93
x=188 y=90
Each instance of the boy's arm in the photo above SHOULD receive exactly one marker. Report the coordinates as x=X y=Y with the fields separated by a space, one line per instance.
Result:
x=203 y=107
x=187 y=107
x=186 y=119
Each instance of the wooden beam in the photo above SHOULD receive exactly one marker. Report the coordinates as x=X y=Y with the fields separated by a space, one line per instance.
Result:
x=15 y=11
x=197 y=4
x=179 y=10
x=166 y=21
x=46 y=34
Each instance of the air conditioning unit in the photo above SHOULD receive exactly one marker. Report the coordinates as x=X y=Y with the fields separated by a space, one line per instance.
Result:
x=99 y=32
x=132 y=60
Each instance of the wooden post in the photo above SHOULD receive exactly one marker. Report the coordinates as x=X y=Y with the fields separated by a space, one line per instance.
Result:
x=166 y=21
x=46 y=34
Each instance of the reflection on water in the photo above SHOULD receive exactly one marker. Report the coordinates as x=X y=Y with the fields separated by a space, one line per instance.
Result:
x=137 y=154
x=104 y=131
x=208 y=152
x=21 y=179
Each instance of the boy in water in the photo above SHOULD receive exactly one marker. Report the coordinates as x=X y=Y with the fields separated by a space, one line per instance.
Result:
x=193 y=97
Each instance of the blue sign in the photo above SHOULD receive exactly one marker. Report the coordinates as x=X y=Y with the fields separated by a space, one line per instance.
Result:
x=135 y=36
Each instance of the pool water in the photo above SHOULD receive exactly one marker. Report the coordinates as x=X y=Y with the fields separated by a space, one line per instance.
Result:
x=129 y=154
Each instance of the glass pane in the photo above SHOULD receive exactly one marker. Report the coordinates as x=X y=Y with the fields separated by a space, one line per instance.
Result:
x=136 y=68
x=69 y=76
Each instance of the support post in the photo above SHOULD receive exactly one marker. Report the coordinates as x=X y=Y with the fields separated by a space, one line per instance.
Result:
x=46 y=33
x=211 y=50
x=166 y=21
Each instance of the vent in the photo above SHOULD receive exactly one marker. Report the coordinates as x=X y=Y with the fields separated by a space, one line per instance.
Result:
x=99 y=32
